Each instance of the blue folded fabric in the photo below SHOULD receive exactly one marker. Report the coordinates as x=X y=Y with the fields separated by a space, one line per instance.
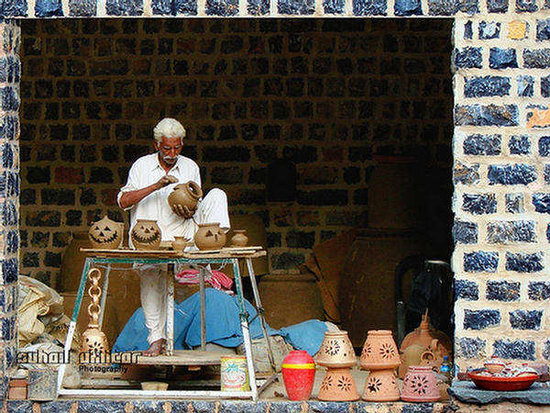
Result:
x=223 y=326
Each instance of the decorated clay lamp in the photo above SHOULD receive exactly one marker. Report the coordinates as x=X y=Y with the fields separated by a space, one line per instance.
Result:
x=146 y=235
x=337 y=354
x=420 y=385
x=381 y=357
x=106 y=233
x=298 y=374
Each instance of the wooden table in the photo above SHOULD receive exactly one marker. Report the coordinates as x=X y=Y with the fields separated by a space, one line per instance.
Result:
x=108 y=259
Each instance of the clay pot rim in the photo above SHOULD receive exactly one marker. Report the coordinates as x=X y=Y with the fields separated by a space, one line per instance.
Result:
x=336 y=333
x=209 y=224
x=182 y=238
x=420 y=368
x=146 y=220
x=380 y=332
x=239 y=231
x=337 y=365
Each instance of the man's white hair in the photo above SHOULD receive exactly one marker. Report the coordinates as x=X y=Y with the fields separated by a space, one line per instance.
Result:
x=169 y=128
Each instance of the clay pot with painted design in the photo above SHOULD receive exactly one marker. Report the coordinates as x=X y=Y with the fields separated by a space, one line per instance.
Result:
x=420 y=385
x=338 y=386
x=380 y=351
x=146 y=235
x=106 y=233
x=210 y=236
x=187 y=194
x=336 y=350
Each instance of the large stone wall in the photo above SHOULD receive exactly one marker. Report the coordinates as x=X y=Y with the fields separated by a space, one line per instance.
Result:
x=325 y=94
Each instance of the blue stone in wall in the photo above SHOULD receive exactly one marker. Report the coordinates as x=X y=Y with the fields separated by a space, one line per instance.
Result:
x=4 y=69
x=187 y=7
x=333 y=6
x=526 y=6
x=13 y=8
x=12 y=244
x=10 y=268
x=514 y=349
x=506 y=232
x=525 y=85
x=536 y=58
x=48 y=8
x=10 y=99
x=7 y=328
x=465 y=232
x=296 y=7
x=163 y=7
x=523 y=262
x=482 y=144
x=542 y=203
x=467 y=290
x=444 y=8
x=514 y=203
x=502 y=58
x=547 y=174
x=471 y=347
x=525 y=320
x=502 y=291
x=468 y=31
x=490 y=115
x=258 y=7
x=369 y=7
x=545 y=86
x=489 y=30
x=481 y=261
x=517 y=174
x=83 y=8
x=539 y=290
x=519 y=145
x=466 y=174
x=468 y=6
x=543 y=29
x=546 y=351
x=497 y=6
x=544 y=146
x=408 y=7
x=481 y=319
x=124 y=7
x=9 y=127
x=469 y=57
x=479 y=204
x=9 y=214
x=7 y=156
x=102 y=406
x=486 y=86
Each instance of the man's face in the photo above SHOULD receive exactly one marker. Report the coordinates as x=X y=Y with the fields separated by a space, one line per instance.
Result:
x=169 y=149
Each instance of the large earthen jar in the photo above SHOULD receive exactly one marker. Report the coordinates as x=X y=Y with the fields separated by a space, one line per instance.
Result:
x=146 y=235
x=380 y=351
x=187 y=194
x=210 y=236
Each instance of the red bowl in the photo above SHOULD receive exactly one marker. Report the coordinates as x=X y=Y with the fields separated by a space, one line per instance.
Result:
x=503 y=383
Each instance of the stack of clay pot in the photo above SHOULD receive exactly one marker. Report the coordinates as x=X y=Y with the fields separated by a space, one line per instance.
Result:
x=381 y=357
x=337 y=355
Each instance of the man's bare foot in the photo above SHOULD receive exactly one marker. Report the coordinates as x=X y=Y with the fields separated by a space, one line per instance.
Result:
x=155 y=348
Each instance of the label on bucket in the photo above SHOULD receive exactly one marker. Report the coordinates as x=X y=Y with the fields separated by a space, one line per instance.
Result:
x=234 y=374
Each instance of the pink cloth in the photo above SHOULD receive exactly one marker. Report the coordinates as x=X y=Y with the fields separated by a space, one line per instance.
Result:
x=218 y=280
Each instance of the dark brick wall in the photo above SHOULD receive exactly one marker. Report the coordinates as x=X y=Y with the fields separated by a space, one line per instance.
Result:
x=327 y=94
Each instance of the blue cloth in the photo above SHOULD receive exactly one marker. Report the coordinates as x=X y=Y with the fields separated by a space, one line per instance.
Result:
x=222 y=326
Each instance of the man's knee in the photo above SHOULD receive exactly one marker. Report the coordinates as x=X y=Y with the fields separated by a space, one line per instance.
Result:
x=216 y=195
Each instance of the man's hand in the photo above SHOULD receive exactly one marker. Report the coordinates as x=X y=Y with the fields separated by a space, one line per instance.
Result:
x=183 y=211
x=165 y=180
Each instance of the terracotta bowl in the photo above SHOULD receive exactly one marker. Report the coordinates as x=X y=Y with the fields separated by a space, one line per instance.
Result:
x=503 y=383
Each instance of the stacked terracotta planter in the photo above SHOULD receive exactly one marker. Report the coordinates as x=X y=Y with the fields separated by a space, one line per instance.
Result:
x=337 y=355
x=381 y=357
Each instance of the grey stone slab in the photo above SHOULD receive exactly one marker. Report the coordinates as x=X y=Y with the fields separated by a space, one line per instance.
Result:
x=467 y=392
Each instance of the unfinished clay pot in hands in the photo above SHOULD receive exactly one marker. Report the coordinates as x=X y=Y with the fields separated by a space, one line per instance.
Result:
x=187 y=195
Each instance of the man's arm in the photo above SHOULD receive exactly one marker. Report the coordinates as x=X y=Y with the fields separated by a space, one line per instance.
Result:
x=130 y=198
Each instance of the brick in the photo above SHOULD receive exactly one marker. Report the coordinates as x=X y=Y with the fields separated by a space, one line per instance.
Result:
x=88 y=197
x=466 y=174
x=38 y=175
x=481 y=319
x=307 y=218
x=506 y=232
x=468 y=57
x=471 y=348
x=466 y=290
x=539 y=291
x=408 y=8
x=323 y=197
x=10 y=270
x=226 y=175
x=502 y=291
x=543 y=29
x=479 y=204
x=300 y=154
x=545 y=86
x=536 y=58
x=524 y=263
x=60 y=196
x=286 y=260
x=544 y=146
x=124 y=8
x=481 y=261
x=300 y=239
x=514 y=203
x=525 y=320
x=482 y=144
x=486 y=86
x=465 y=232
x=502 y=58
x=516 y=174
x=546 y=351
x=514 y=349
x=541 y=203
x=519 y=145
x=100 y=174
x=517 y=30
x=43 y=219
x=468 y=31
x=526 y=6
x=489 y=30
x=40 y=239
x=82 y=8
x=489 y=115
x=333 y=6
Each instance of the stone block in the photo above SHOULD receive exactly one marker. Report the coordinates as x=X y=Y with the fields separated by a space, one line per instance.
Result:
x=479 y=204
x=507 y=232
x=502 y=291
x=482 y=144
x=48 y=8
x=514 y=349
x=539 y=290
x=286 y=261
x=468 y=6
x=59 y=196
x=536 y=58
x=10 y=271
x=514 y=203
x=82 y=8
x=497 y=6
x=13 y=8
x=465 y=232
x=543 y=29
x=547 y=174
x=542 y=203
x=544 y=146
x=369 y=7
x=538 y=117
x=466 y=174
x=519 y=145
x=545 y=86
x=471 y=348
x=481 y=319
x=529 y=6
x=258 y=7
x=468 y=57
x=481 y=261
x=502 y=58
x=333 y=6
x=486 y=115
x=516 y=174
x=323 y=197
x=524 y=262
x=489 y=30
x=300 y=239
x=546 y=351
x=526 y=320
x=124 y=7
x=486 y=86
x=466 y=290
x=296 y=7
x=517 y=30
x=468 y=30
x=408 y=7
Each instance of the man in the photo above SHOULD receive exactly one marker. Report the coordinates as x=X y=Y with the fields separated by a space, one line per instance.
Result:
x=150 y=181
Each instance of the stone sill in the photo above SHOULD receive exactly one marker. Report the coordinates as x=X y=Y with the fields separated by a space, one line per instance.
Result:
x=221 y=406
x=467 y=392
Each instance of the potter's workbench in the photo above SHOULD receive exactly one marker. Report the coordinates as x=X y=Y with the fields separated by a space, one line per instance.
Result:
x=108 y=259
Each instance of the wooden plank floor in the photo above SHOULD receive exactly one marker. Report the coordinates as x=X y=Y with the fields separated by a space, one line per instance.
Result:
x=181 y=358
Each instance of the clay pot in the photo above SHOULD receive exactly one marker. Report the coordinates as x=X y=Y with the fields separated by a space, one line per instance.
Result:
x=239 y=239
x=187 y=194
x=298 y=374
x=380 y=351
x=381 y=386
x=210 y=237
x=336 y=350
x=410 y=357
x=146 y=235
x=179 y=243
x=424 y=335
x=106 y=233
x=420 y=385
x=338 y=386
